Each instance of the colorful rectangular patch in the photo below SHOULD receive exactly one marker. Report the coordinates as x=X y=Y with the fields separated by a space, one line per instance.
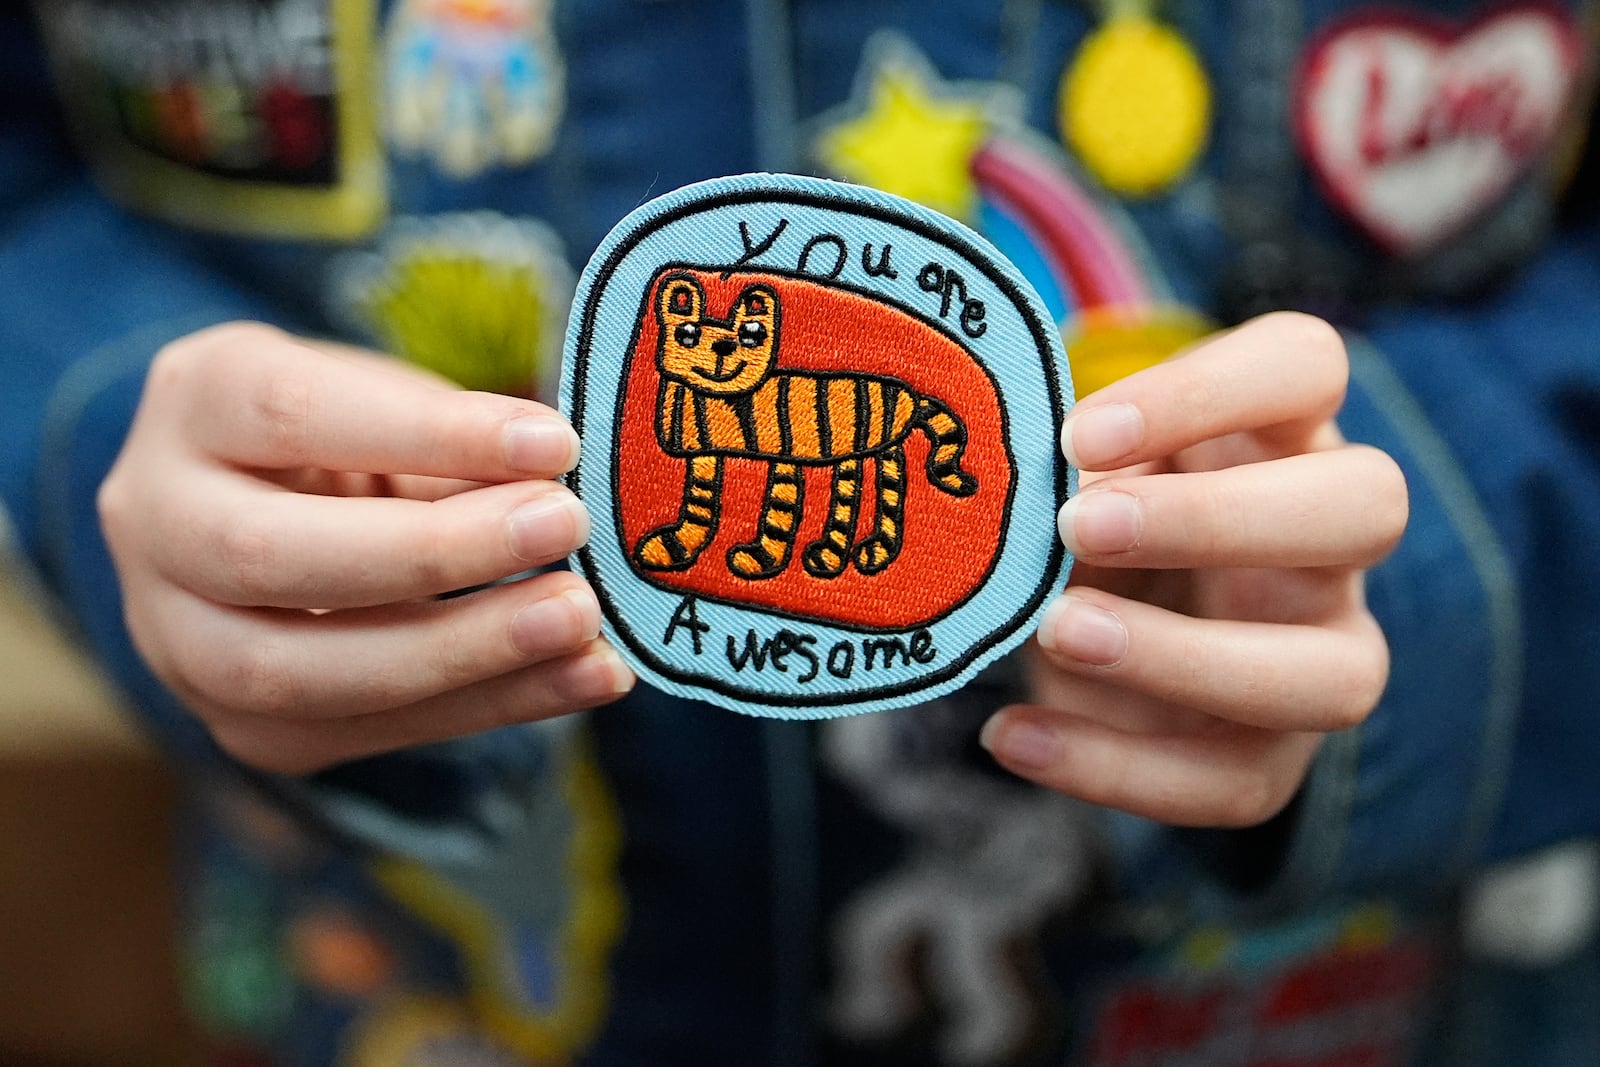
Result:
x=243 y=116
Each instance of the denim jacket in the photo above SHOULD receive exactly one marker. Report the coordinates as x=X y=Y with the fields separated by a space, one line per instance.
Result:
x=661 y=882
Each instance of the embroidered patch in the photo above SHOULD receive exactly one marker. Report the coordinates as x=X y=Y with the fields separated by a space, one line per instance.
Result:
x=473 y=84
x=245 y=116
x=1416 y=126
x=949 y=934
x=477 y=297
x=428 y=1032
x=1135 y=104
x=238 y=984
x=535 y=925
x=335 y=951
x=819 y=431
x=1339 y=987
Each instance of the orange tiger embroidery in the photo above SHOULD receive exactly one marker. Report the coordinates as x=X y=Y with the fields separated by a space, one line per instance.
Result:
x=721 y=395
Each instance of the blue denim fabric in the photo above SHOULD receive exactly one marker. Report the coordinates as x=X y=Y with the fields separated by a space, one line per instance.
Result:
x=1482 y=749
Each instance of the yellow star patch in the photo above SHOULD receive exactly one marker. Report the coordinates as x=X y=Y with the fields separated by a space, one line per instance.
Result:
x=914 y=135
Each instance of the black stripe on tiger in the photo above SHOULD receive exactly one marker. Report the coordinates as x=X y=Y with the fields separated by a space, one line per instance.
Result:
x=785 y=428
x=745 y=409
x=863 y=416
x=672 y=402
x=828 y=556
x=768 y=554
x=876 y=552
x=888 y=394
x=947 y=440
x=824 y=423
x=702 y=424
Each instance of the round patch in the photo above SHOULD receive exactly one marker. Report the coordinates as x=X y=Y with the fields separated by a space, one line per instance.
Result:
x=819 y=431
x=1135 y=105
x=477 y=297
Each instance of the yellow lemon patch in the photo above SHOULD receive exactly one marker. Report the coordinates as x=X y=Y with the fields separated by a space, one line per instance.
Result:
x=1135 y=106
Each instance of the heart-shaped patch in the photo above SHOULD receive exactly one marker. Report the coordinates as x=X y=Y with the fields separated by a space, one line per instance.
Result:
x=1415 y=126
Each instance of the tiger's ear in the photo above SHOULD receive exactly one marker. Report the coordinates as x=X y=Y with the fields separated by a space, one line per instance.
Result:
x=681 y=298
x=757 y=302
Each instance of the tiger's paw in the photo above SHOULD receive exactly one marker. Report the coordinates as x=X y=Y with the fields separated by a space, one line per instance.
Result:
x=664 y=550
x=754 y=562
x=822 y=560
x=874 y=555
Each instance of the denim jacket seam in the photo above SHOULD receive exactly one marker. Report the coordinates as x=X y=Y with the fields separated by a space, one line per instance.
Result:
x=769 y=36
x=1467 y=514
x=1312 y=867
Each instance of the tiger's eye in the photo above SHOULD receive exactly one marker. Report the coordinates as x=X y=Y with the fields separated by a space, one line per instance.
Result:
x=752 y=334
x=687 y=334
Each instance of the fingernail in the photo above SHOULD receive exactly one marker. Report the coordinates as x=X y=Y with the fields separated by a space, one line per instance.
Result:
x=1023 y=745
x=556 y=623
x=541 y=444
x=1101 y=521
x=549 y=527
x=1080 y=630
x=1099 y=437
x=598 y=675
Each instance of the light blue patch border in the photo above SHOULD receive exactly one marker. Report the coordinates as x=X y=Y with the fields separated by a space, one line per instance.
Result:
x=1020 y=347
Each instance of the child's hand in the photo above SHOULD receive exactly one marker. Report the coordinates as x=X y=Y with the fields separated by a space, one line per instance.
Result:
x=282 y=517
x=1216 y=625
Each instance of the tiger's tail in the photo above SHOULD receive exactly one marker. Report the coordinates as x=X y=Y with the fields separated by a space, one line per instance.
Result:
x=947 y=438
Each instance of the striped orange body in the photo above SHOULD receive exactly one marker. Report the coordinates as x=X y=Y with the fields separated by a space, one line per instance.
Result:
x=794 y=416
x=721 y=396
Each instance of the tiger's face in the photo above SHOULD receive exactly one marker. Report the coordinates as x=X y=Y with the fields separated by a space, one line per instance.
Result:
x=723 y=357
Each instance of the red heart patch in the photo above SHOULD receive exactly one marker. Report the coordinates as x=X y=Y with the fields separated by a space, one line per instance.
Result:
x=1415 y=126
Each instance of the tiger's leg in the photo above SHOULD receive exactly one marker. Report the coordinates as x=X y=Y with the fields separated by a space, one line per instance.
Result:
x=675 y=547
x=828 y=556
x=879 y=549
x=768 y=554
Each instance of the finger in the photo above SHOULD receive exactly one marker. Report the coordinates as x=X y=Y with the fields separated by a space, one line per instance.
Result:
x=421 y=487
x=1234 y=778
x=299 y=665
x=1270 y=675
x=263 y=399
x=1320 y=509
x=1109 y=704
x=320 y=482
x=249 y=544
x=1317 y=596
x=587 y=678
x=1287 y=371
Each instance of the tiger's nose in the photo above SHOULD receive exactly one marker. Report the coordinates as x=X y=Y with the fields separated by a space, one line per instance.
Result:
x=724 y=347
